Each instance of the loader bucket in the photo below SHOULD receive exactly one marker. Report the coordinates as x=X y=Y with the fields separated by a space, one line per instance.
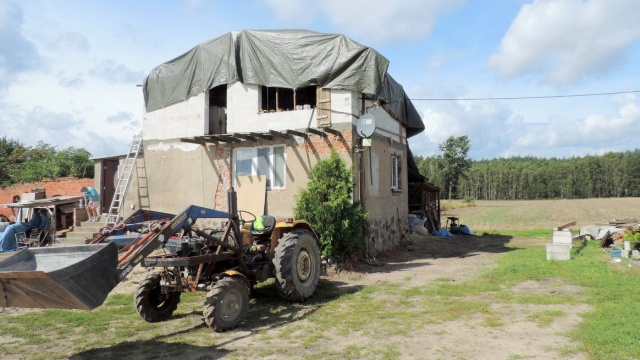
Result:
x=62 y=277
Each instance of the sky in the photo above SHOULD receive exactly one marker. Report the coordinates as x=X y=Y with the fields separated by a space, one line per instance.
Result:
x=70 y=70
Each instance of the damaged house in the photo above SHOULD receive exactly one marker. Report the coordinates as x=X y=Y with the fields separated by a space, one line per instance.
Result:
x=256 y=110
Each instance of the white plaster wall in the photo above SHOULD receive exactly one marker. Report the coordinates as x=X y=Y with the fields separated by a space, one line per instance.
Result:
x=185 y=119
x=242 y=112
x=345 y=106
x=386 y=125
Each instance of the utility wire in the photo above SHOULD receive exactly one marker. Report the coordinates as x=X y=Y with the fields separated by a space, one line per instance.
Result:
x=528 y=97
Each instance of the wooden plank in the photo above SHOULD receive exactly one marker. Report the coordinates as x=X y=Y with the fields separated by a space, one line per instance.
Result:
x=251 y=192
x=564 y=226
x=298 y=133
x=317 y=132
x=261 y=135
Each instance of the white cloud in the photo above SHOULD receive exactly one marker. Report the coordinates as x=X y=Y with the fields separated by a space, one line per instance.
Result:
x=19 y=54
x=566 y=41
x=370 y=21
x=497 y=130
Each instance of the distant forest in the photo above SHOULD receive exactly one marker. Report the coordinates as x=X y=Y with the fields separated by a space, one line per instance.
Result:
x=609 y=175
x=24 y=164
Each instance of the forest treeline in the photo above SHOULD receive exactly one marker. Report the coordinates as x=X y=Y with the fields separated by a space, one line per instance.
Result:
x=609 y=175
x=24 y=164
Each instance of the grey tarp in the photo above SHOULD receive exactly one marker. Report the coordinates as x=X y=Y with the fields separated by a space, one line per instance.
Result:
x=279 y=58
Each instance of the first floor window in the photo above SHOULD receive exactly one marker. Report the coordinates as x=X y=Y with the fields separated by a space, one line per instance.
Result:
x=394 y=173
x=267 y=161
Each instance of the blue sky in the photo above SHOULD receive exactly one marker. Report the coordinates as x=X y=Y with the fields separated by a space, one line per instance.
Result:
x=69 y=69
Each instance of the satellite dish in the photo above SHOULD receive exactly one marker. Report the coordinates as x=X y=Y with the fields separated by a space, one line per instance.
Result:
x=366 y=126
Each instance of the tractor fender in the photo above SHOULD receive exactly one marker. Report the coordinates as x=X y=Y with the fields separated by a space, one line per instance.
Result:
x=282 y=228
x=237 y=274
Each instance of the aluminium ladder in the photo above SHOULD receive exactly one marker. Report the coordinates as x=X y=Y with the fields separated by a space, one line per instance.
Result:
x=123 y=181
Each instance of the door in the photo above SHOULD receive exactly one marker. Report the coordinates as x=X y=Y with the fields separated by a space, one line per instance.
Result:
x=108 y=183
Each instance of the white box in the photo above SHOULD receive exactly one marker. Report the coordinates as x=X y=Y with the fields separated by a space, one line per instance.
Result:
x=562 y=237
x=558 y=251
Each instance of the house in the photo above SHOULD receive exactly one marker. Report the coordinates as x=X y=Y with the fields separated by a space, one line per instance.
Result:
x=255 y=110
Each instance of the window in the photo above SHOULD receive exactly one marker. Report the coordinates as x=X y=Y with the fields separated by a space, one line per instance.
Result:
x=283 y=99
x=395 y=173
x=269 y=161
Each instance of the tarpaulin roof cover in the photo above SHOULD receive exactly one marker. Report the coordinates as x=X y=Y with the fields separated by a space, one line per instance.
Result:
x=279 y=58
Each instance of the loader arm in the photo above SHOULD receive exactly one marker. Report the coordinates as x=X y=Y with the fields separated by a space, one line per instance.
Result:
x=160 y=233
x=81 y=277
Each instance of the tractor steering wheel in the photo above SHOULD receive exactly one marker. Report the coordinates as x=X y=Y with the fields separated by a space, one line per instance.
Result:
x=240 y=212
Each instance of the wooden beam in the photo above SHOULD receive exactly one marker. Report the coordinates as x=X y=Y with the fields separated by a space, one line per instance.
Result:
x=317 y=132
x=298 y=133
x=225 y=138
x=192 y=141
x=261 y=135
x=564 y=226
x=332 y=131
x=207 y=139
x=245 y=137
x=279 y=134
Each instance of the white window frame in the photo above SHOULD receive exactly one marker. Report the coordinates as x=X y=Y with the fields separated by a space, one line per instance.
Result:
x=254 y=164
x=395 y=176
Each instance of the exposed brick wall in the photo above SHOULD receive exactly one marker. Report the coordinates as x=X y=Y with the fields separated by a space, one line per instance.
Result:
x=322 y=146
x=61 y=186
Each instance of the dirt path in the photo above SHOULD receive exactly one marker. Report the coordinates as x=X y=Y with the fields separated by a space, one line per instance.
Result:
x=460 y=259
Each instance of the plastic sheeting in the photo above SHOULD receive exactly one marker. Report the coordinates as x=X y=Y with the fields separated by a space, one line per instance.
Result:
x=280 y=58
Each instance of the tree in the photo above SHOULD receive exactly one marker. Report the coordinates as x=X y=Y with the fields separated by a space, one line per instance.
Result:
x=20 y=164
x=327 y=205
x=455 y=161
x=73 y=162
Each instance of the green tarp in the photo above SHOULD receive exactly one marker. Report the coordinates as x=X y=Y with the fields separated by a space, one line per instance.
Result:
x=279 y=58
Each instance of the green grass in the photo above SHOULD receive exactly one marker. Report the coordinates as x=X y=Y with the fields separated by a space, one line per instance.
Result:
x=532 y=233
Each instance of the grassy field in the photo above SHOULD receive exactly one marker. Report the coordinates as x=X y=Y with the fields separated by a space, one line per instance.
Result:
x=490 y=216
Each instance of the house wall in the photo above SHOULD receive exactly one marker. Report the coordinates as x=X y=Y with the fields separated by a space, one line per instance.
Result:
x=186 y=119
x=176 y=174
x=387 y=208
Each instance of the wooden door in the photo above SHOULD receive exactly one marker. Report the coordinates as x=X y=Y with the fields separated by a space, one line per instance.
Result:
x=108 y=182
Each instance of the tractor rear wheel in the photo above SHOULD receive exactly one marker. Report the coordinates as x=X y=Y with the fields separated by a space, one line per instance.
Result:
x=226 y=304
x=151 y=303
x=297 y=265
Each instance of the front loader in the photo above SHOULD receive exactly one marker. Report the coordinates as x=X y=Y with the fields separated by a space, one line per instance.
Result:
x=225 y=262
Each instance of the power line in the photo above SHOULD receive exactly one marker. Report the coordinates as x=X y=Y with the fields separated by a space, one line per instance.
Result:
x=528 y=97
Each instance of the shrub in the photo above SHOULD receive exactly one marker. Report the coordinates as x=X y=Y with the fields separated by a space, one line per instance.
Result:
x=327 y=205
x=634 y=239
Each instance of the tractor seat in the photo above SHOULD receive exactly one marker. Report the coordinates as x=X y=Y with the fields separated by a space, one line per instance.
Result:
x=263 y=225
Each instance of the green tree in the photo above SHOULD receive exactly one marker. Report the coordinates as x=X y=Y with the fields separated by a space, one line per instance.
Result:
x=7 y=159
x=327 y=205
x=73 y=162
x=455 y=160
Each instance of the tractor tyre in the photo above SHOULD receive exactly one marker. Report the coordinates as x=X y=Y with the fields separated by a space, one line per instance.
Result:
x=226 y=304
x=153 y=305
x=297 y=265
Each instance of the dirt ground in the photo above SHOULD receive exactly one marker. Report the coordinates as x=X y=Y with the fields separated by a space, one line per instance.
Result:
x=462 y=258
x=427 y=260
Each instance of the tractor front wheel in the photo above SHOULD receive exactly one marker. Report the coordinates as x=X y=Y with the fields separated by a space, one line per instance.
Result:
x=226 y=304
x=297 y=265
x=151 y=303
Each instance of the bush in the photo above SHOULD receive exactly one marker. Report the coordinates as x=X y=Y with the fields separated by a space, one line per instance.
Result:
x=634 y=239
x=327 y=205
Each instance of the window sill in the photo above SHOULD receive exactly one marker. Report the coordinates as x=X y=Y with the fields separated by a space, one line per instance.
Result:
x=396 y=191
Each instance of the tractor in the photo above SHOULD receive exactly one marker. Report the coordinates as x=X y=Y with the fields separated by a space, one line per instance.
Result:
x=226 y=262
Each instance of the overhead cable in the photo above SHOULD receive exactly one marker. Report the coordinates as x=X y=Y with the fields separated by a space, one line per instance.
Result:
x=528 y=97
